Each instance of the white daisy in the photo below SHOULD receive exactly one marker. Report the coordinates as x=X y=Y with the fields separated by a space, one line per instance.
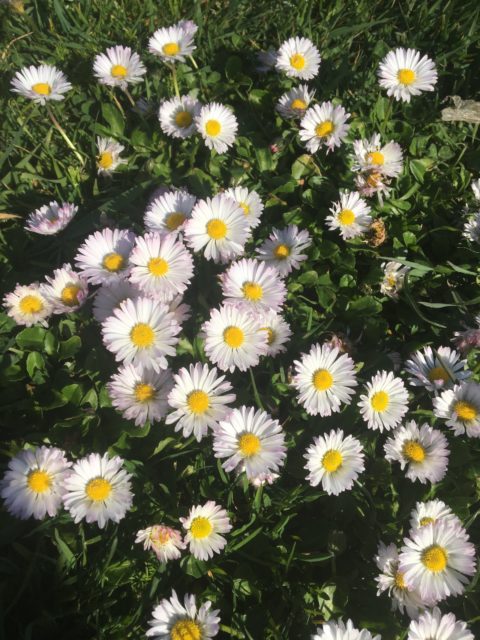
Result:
x=173 y=44
x=264 y=478
x=174 y=621
x=393 y=277
x=142 y=332
x=217 y=125
x=426 y=513
x=181 y=311
x=324 y=379
x=351 y=215
x=370 y=155
x=432 y=625
x=471 y=228
x=164 y=541
x=298 y=58
x=278 y=331
x=51 y=218
x=372 y=182
x=169 y=211
x=324 y=125
x=295 y=102
x=254 y=284
x=27 y=305
x=108 y=158
x=177 y=116
x=249 y=201
x=385 y=402
x=103 y=257
x=66 y=291
x=98 y=490
x=476 y=188
x=436 y=369
x=460 y=407
x=41 y=83
x=404 y=74
x=33 y=483
x=118 y=67
x=109 y=296
x=284 y=247
x=233 y=338
x=200 y=398
x=338 y=630
x=204 y=526
x=219 y=227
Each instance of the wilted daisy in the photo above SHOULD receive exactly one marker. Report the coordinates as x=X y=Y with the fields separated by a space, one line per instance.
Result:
x=109 y=296
x=51 y=218
x=98 y=490
x=218 y=226
x=371 y=155
x=177 y=116
x=174 y=621
x=251 y=441
x=385 y=402
x=27 y=305
x=217 y=125
x=41 y=83
x=266 y=60
x=249 y=201
x=278 y=331
x=421 y=450
x=204 y=526
x=471 y=229
x=118 y=67
x=393 y=276
x=338 y=630
x=432 y=511
x=436 y=369
x=142 y=332
x=253 y=283
x=432 y=625
x=284 y=247
x=108 y=158
x=324 y=125
x=404 y=74
x=460 y=407
x=140 y=394
x=298 y=58
x=172 y=44
x=103 y=257
x=372 y=182
x=33 y=483
x=335 y=461
x=164 y=541
x=351 y=215
x=233 y=338
x=200 y=398
x=437 y=561
x=295 y=102
x=324 y=379
x=168 y=212
x=66 y=291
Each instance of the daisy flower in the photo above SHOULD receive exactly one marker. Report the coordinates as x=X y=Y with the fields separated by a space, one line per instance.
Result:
x=141 y=332
x=404 y=74
x=118 y=67
x=98 y=490
x=51 y=218
x=249 y=201
x=204 y=526
x=338 y=630
x=161 y=266
x=140 y=394
x=278 y=331
x=108 y=158
x=335 y=461
x=253 y=283
x=174 y=621
x=393 y=277
x=41 y=84
x=173 y=44
x=324 y=125
x=432 y=511
x=233 y=338
x=266 y=60
x=217 y=125
x=351 y=215
x=103 y=257
x=436 y=369
x=181 y=311
x=251 y=441
x=476 y=188
x=432 y=625
x=177 y=116
x=295 y=102
x=373 y=182
x=385 y=402
x=283 y=249
x=371 y=155
x=27 y=305
x=264 y=478
x=324 y=380
x=109 y=296
x=164 y=541
x=298 y=58
x=219 y=227
x=66 y=291
x=33 y=483
x=423 y=451
x=471 y=229
x=169 y=212
x=460 y=407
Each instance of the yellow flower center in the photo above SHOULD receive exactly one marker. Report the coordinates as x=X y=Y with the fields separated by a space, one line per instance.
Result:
x=298 y=103
x=105 y=160
x=380 y=401
x=142 y=335
x=249 y=444
x=373 y=179
x=413 y=451
x=158 y=267
x=233 y=337
x=406 y=76
x=170 y=49
x=118 y=71
x=399 y=581
x=281 y=252
x=465 y=411
x=322 y=380
x=346 y=217
x=186 y=630
x=42 y=88
x=252 y=291
x=98 y=489
x=438 y=373
x=69 y=294
x=435 y=558
x=144 y=392
x=201 y=527
x=39 y=481
x=297 y=61
x=245 y=207
x=30 y=304
x=198 y=401
x=162 y=536
x=183 y=119
x=113 y=262
x=426 y=520
x=324 y=129
x=174 y=220
x=213 y=127
x=216 y=229
x=376 y=157
x=332 y=460
x=270 y=335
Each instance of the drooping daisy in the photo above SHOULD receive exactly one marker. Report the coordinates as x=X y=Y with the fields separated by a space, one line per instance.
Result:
x=385 y=402
x=423 y=451
x=181 y=311
x=118 y=67
x=426 y=513
x=233 y=338
x=324 y=380
x=251 y=441
x=164 y=541
x=351 y=215
x=404 y=74
x=278 y=331
x=142 y=332
x=471 y=229
x=103 y=257
x=109 y=296
x=27 y=305
x=219 y=227
x=298 y=58
x=324 y=125
x=217 y=125
x=371 y=155
x=254 y=284
x=335 y=461
x=372 y=182
x=264 y=478
x=476 y=188
x=393 y=277
x=338 y=630
x=51 y=218
x=66 y=291
x=177 y=116
x=295 y=102
x=98 y=490
x=169 y=211
x=173 y=43
x=266 y=60
x=204 y=526
x=436 y=369
x=249 y=201
x=437 y=561
x=174 y=621
x=33 y=483
x=432 y=625
x=108 y=158
x=41 y=84
x=460 y=407
x=284 y=247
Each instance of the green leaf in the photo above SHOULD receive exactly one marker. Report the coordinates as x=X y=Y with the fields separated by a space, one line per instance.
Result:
x=31 y=338
x=34 y=361
x=69 y=348
x=114 y=118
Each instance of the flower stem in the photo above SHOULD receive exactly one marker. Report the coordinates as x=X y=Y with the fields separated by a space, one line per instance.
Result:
x=64 y=135
x=175 y=83
x=115 y=99
x=192 y=60
x=255 y=391
x=129 y=96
